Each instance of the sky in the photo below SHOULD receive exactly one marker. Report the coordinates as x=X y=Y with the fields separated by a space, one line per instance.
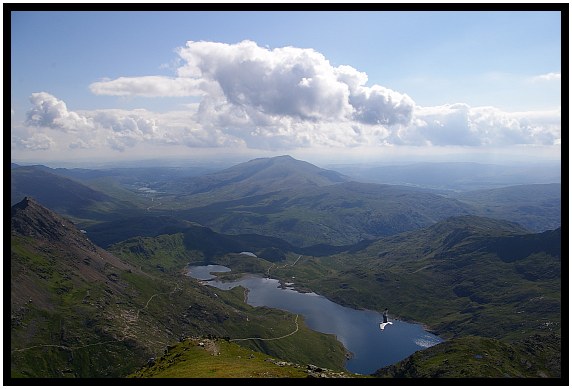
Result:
x=318 y=85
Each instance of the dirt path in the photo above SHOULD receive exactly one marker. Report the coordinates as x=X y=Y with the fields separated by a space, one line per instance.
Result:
x=280 y=337
x=177 y=287
x=282 y=267
x=423 y=268
x=155 y=205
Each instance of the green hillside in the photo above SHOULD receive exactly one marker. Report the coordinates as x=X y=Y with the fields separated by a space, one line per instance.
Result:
x=256 y=177
x=218 y=358
x=280 y=197
x=79 y=311
x=466 y=276
x=453 y=276
x=536 y=207
x=337 y=214
x=478 y=357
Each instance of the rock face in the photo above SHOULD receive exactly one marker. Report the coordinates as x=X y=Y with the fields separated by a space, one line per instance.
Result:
x=63 y=250
x=29 y=218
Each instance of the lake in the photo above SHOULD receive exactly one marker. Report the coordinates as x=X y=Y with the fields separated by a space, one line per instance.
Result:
x=357 y=330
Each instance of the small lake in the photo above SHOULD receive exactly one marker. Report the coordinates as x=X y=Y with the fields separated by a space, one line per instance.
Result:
x=357 y=330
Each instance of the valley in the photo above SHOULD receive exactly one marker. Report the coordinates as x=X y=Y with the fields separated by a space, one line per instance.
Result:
x=98 y=281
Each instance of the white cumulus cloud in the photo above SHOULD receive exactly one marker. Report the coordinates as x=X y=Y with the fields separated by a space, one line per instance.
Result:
x=286 y=81
x=48 y=111
x=49 y=119
x=282 y=98
x=244 y=80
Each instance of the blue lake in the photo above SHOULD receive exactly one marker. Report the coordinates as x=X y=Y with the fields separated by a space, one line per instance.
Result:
x=357 y=330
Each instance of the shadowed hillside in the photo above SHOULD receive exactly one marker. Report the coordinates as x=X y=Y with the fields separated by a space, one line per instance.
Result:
x=63 y=195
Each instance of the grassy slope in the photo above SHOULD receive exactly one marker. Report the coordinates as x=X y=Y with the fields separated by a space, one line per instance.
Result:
x=471 y=356
x=67 y=312
x=220 y=359
x=536 y=207
x=476 y=288
x=336 y=214
x=478 y=357
x=448 y=279
x=444 y=280
x=167 y=254
x=109 y=328
x=208 y=358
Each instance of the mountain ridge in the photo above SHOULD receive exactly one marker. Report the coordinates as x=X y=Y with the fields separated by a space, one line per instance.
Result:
x=519 y=203
x=478 y=271
x=291 y=199
x=61 y=194
x=245 y=179
x=459 y=273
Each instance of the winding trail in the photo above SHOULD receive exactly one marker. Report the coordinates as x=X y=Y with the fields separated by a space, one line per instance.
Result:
x=177 y=287
x=155 y=205
x=423 y=268
x=296 y=318
x=126 y=331
x=280 y=337
x=282 y=267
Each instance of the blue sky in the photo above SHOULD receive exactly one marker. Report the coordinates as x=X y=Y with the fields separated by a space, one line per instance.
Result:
x=120 y=85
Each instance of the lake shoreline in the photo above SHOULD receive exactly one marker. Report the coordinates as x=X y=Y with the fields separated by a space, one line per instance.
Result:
x=302 y=289
x=357 y=330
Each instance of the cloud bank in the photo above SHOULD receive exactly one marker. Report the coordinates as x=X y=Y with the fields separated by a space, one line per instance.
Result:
x=283 y=98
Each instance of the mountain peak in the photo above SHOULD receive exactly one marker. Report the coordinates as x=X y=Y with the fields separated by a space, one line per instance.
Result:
x=30 y=218
x=270 y=161
x=263 y=175
x=27 y=206
x=25 y=203
x=284 y=157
